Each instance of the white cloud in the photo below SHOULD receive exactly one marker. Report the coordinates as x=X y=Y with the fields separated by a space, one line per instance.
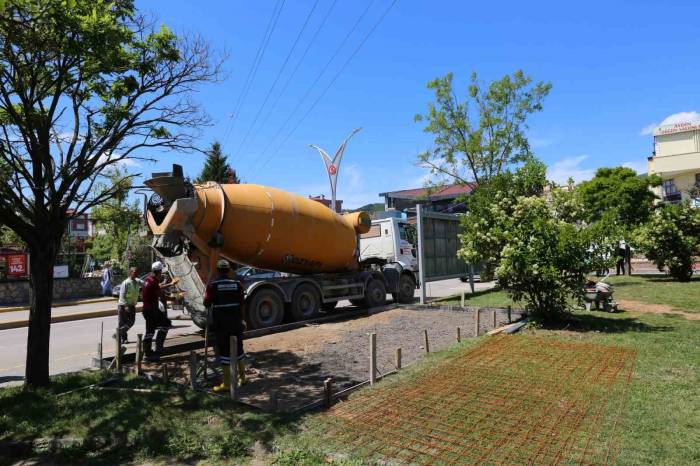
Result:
x=639 y=166
x=680 y=117
x=570 y=167
x=123 y=164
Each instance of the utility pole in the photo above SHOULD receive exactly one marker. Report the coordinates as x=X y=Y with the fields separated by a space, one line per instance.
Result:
x=333 y=165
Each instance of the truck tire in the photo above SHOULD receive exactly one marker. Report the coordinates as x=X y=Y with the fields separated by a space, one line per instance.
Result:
x=306 y=302
x=329 y=306
x=407 y=289
x=375 y=293
x=265 y=309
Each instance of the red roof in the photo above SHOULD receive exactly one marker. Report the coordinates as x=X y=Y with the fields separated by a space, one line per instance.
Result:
x=446 y=191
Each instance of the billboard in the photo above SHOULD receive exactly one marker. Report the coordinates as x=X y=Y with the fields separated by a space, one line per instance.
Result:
x=438 y=243
x=13 y=266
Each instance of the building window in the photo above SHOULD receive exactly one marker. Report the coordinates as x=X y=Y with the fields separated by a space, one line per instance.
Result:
x=670 y=191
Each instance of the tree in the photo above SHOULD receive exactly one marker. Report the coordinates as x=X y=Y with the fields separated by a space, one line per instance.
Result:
x=216 y=169
x=117 y=218
x=544 y=260
x=84 y=85
x=671 y=238
x=620 y=191
x=480 y=137
x=489 y=208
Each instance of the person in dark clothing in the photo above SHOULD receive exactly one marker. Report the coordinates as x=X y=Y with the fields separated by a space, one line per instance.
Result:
x=621 y=257
x=226 y=298
x=157 y=322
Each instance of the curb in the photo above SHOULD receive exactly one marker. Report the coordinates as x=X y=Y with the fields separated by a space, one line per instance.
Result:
x=64 y=318
x=61 y=304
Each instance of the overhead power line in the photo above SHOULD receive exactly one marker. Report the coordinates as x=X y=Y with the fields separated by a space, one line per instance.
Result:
x=330 y=84
x=279 y=74
x=250 y=78
x=294 y=72
x=318 y=78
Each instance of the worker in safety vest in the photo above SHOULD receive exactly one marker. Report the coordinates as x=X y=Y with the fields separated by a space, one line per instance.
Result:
x=226 y=298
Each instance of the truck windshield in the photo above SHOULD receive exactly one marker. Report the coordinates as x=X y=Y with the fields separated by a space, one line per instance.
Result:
x=407 y=233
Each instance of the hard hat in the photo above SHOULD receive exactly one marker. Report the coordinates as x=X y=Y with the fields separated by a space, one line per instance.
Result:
x=223 y=264
x=157 y=266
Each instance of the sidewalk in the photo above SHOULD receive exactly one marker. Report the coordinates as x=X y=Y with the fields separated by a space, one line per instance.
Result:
x=84 y=310
x=62 y=303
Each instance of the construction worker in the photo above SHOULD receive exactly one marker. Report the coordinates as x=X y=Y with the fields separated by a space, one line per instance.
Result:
x=126 y=306
x=225 y=296
x=157 y=322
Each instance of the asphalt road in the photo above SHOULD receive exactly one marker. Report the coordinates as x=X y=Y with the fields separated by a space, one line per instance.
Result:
x=74 y=344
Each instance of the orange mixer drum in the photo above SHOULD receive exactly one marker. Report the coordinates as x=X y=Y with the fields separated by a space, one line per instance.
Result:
x=272 y=229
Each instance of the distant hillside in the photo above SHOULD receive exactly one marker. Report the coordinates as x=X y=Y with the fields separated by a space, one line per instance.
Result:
x=376 y=207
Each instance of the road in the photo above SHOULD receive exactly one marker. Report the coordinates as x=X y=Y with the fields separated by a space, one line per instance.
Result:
x=74 y=344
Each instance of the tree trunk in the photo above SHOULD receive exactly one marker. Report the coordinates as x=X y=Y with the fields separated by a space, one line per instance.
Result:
x=42 y=258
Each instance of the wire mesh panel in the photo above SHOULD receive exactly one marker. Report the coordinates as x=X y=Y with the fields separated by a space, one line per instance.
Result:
x=511 y=400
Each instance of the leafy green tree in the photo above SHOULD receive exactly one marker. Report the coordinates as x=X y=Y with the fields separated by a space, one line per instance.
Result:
x=544 y=260
x=671 y=238
x=116 y=219
x=84 y=85
x=216 y=167
x=618 y=190
x=478 y=138
x=489 y=208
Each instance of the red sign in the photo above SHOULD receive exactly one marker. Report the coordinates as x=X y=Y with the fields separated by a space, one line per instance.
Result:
x=332 y=169
x=17 y=265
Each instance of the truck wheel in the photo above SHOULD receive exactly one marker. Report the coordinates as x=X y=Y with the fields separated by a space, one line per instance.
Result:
x=305 y=302
x=407 y=288
x=265 y=309
x=375 y=293
x=329 y=306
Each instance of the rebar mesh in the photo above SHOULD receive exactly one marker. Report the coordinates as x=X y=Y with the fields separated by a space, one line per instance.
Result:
x=510 y=400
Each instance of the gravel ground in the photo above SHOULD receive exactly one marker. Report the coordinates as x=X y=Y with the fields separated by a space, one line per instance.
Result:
x=296 y=362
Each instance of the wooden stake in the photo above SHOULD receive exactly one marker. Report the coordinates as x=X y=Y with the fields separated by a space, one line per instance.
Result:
x=493 y=314
x=462 y=298
x=372 y=358
x=476 y=322
x=328 y=392
x=233 y=364
x=102 y=331
x=206 y=346
x=398 y=359
x=166 y=377
x=99 y=354
x=459 y=335
x=139 y=353
x=510 y=320
x=193 y=370
x=425 y=340
x=118 y=353
x=274 y=400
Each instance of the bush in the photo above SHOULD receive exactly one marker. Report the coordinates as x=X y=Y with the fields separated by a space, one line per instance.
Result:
x=671 y=238
x=544 y=260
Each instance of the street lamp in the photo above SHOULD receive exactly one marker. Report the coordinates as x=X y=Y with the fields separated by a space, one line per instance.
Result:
x=333 y=165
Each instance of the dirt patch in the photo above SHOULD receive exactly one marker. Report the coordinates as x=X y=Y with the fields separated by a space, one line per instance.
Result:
x=636 y=306
x=296 y=362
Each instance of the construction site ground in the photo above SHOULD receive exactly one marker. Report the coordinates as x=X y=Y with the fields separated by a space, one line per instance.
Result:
x=296 y=362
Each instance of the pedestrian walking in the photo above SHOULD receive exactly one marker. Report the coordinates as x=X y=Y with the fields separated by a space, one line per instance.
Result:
x=226 y=298
x=621 y=257
x=107 y=276
x=157 y=322
x=126 y=306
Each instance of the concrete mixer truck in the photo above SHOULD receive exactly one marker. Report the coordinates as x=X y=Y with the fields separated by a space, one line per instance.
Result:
x=323 y=255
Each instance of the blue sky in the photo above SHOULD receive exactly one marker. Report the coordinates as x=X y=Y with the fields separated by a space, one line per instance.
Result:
x=616 y=68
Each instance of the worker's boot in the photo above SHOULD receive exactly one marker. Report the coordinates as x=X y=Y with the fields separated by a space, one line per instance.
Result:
x=148 y=350
x=226 y=383
x=241 y=373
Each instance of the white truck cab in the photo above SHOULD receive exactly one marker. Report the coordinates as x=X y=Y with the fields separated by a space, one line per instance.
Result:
x=391 y=239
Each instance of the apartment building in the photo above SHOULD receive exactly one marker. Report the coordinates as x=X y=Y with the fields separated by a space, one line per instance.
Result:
x=676 y=159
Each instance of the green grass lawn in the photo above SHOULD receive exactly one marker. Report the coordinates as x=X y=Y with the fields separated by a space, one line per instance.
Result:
x=645 y=289
x=661 y=423
x=122 y=426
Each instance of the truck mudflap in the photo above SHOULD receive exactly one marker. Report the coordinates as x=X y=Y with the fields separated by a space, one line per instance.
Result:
x=191 y=284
